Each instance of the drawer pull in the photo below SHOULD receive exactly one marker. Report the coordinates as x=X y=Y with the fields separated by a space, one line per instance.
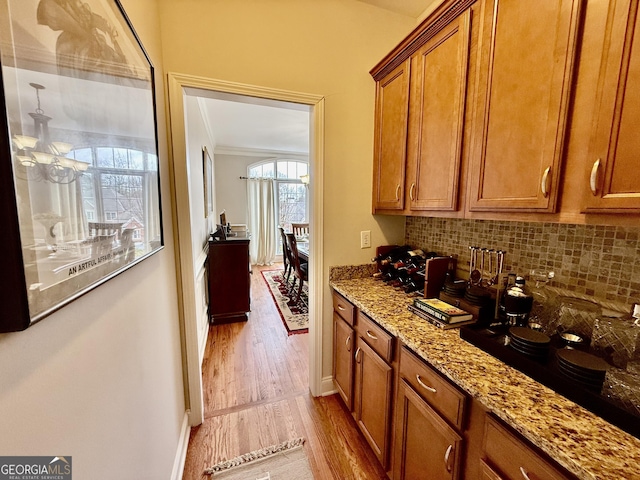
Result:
x=446 y=458
x=524 y=473
x=348 y=343
x=371 y=335
x=544 y=184
x=340 y=307
x=593 y=179
x=413 y=185
x=423 y=385
x=356 y=355
x=398 y=192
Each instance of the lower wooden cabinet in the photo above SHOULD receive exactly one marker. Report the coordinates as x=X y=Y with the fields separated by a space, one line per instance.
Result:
x=419 y=424
x=373 y=394
x=512 y=458
x=343 y=342
x=426 y=447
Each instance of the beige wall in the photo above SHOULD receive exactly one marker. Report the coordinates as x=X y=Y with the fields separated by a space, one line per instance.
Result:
x=101 y=379
x=318 y=47
x=231 y=191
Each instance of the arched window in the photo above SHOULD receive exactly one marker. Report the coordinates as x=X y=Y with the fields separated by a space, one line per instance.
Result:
x=292 y=194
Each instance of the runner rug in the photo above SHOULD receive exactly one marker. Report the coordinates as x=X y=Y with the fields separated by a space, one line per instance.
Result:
x=295 y=315
x=285 y=461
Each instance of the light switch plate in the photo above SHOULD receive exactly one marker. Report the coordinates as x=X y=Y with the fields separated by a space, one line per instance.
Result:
x=365 y=239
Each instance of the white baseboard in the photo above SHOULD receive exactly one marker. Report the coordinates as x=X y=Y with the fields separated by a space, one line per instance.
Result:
x=327 y=386
x=181 y=452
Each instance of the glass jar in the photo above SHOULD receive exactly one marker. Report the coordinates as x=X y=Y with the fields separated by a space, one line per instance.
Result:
x=574 y=315
x=544 y=300
x=617 y=339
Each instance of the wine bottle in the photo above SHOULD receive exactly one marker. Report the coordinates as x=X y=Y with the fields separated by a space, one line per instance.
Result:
x=392 y=255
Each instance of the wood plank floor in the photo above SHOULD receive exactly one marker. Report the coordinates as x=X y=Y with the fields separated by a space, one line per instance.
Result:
x=256 y=393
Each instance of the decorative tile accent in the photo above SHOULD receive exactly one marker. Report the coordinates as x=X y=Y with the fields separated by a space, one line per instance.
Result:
x=599 y=261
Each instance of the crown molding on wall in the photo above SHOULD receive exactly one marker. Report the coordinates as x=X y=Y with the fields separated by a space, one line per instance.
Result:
x=259 y=152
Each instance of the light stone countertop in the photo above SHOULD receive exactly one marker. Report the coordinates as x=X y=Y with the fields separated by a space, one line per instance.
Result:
x=585 y=444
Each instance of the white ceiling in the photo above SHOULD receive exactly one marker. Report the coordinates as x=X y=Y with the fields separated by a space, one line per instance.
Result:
x=249 y=124
x=257 y=126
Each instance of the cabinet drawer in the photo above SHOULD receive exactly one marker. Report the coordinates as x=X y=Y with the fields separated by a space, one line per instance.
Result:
x=446 y=399
x=344 y=308
x=513 y=458
x=487 y=472
x=375 y=336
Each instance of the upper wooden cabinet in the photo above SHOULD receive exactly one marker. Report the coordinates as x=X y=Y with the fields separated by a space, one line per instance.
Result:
x=523 y=81
x=612 y=182
x=436 y=117
x=392 y=106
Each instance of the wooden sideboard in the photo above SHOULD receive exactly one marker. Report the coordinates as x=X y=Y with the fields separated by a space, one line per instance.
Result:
x=229 y=270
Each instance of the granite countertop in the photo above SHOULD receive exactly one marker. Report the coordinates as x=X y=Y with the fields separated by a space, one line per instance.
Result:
x=585 y=444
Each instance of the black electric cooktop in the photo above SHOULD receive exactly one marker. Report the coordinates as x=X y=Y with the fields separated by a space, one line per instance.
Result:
x=554 y=371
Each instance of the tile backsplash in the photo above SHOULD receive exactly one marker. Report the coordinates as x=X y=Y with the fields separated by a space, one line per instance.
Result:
x=598 y=261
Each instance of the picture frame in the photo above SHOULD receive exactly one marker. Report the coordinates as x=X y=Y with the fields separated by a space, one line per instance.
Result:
x=207 y=169
x=79 y=170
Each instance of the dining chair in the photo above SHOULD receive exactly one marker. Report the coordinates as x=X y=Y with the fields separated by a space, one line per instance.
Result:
x=286 y=255
x=300 y=270
x=300 y=229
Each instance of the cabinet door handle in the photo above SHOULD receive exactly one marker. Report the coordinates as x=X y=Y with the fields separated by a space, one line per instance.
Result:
x=446 y=457
x=524 y=473
x=356 y=355
x=348 y=343
x=371 y=335
x=340 y=307
x=413 y=185
x=425 y=386
x=544 y=184
x=398 y=192
x=593 y=179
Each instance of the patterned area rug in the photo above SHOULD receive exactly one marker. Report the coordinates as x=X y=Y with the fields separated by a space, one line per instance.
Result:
x=285 y=461
x=295 y=316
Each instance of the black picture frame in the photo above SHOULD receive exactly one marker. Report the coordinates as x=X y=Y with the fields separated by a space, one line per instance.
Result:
x=79 y=173
x=207 y=169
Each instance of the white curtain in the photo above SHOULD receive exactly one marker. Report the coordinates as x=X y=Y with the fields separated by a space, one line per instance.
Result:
x=151 y=213
x=262 y=220
x=66 y=200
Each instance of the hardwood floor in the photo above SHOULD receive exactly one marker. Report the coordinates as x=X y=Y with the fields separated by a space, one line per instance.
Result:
x=256 y=393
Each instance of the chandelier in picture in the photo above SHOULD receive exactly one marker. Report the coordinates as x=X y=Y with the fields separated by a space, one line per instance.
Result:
x=45 y=160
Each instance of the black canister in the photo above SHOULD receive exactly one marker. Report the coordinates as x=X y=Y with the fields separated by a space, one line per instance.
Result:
x=517 y=303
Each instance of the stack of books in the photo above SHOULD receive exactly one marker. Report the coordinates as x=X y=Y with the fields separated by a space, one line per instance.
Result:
x=440 y=313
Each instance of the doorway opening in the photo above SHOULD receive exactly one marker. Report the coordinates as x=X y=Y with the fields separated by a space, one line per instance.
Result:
x=180 y=87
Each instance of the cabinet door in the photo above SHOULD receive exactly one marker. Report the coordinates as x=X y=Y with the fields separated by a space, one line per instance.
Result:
x=343 y=341
x=426 y=448
x=373 y=395
x=612 y=179
x=390 y=137
x=439 y=80
x=523 y=85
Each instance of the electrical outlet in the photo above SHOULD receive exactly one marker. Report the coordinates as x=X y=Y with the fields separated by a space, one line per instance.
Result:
x=365 y=239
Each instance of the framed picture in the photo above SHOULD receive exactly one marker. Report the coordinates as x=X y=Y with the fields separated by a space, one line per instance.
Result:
x=207 y=169
x=79 y=183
